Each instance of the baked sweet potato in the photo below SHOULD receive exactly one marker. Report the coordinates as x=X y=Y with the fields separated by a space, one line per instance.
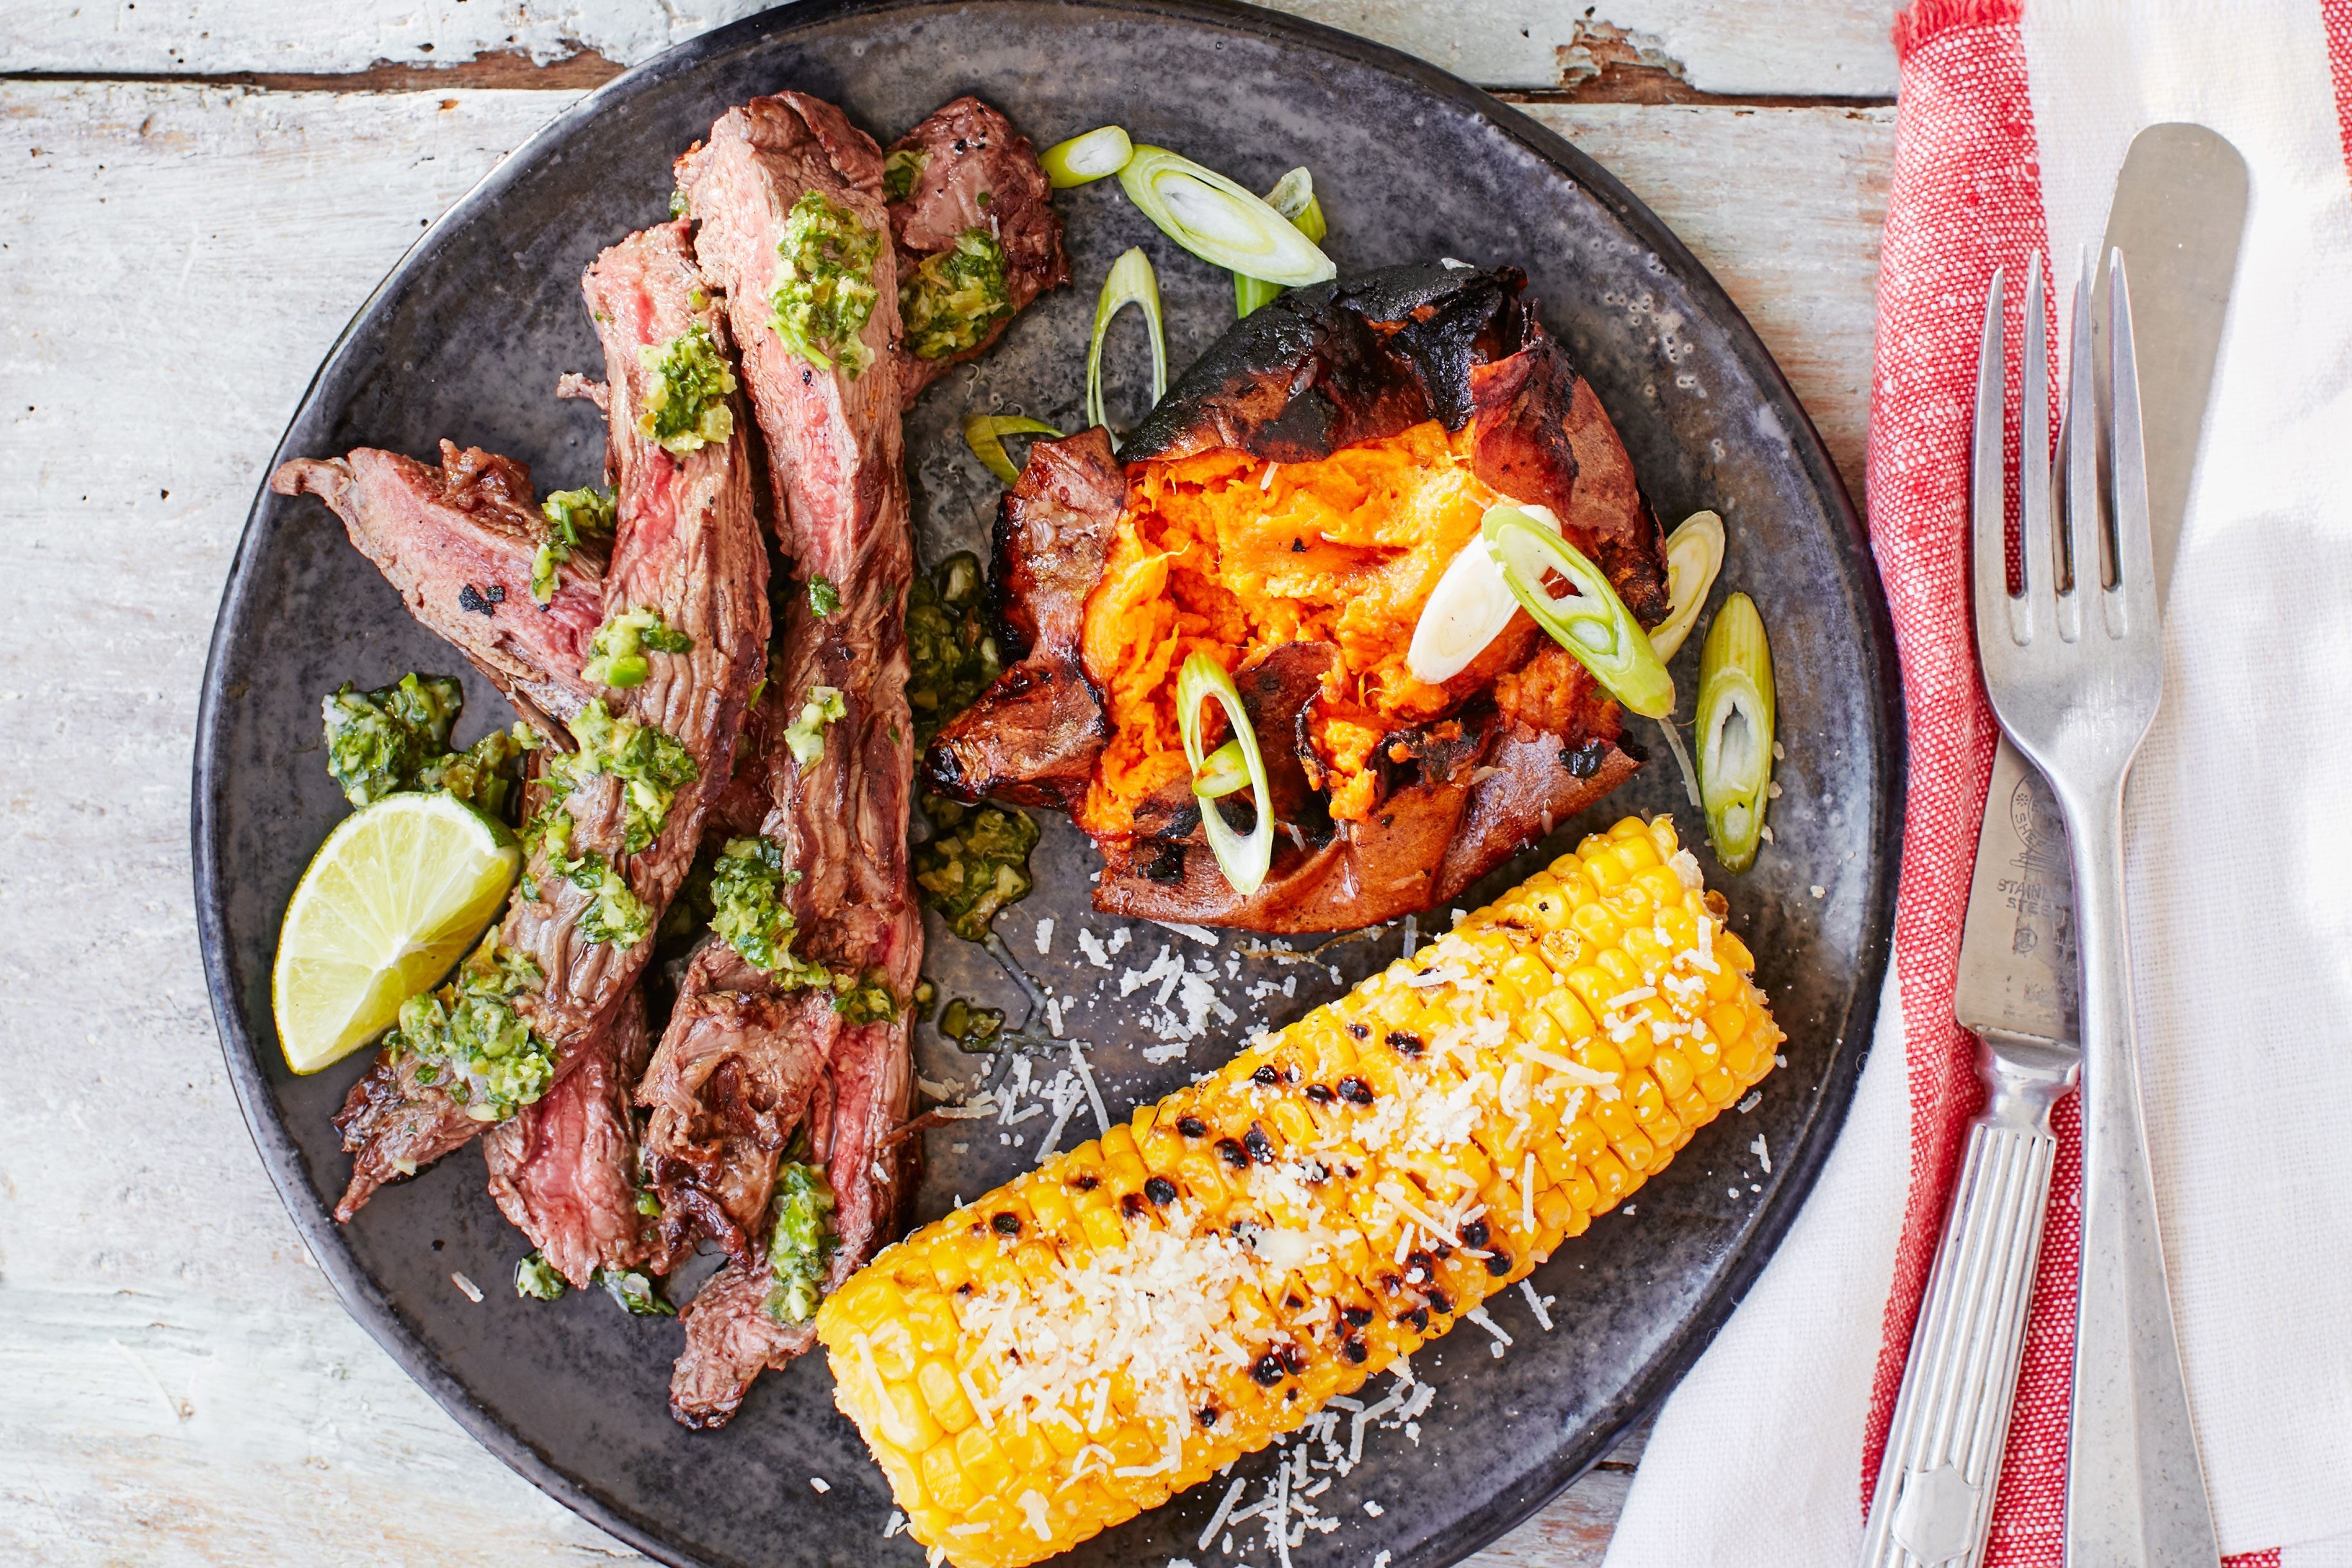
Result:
x=1289 y=507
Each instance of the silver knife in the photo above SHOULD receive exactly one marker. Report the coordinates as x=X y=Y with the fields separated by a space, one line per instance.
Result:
x=2178 y=213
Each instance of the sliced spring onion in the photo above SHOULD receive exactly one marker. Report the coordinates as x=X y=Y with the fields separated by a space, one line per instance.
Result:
x=1593 y=622
x=1131 y=281
x=1219 y=222
x=985 y=433
x=1693 y=556
x=1085 y=158
x=1734 y=730
x=1682 y=758
x=1294 y=197
x=1244 y=859
x=1469 y=609
x=1225 y=770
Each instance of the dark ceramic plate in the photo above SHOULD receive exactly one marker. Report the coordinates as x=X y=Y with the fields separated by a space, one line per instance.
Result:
x=465 y=339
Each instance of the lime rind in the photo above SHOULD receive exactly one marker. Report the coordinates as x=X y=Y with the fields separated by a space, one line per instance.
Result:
x=392 y=900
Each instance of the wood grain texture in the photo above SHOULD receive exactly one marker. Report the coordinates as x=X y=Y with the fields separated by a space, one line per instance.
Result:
x=181 y=1387
x=1736 y=46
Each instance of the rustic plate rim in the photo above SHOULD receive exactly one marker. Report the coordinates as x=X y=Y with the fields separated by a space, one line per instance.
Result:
x=1477 y=1525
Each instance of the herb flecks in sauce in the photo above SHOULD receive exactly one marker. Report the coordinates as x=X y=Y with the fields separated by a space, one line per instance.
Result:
x=685 y=405
x=634 y=1293
x=469 y=1040
x=747 y=914
x=824 y=292
x=617 y=916
x=824 y=597
x=618 y=653
x=651 y=765
x=805 y=734
x=397 y=738
x=800 y=1241
x=948 y=301
x=536 y=1277
x=377 y=740
x=950 y=658
x=976 y=863
x=972 y=1027
x=900 y=170
x=573 y=518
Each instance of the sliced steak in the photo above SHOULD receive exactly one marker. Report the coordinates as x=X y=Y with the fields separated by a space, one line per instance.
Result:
x=738 y=1067
x=563 y=1171
x=732 y=1061
x=687 y=545
x=964 y=167
x=729 y=1340
x=393 y=1127
x=459 y=543
x=1034 y=737
x=825 y=431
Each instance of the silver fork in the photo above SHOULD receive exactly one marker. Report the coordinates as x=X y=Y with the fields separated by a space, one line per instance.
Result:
x=2075 y=666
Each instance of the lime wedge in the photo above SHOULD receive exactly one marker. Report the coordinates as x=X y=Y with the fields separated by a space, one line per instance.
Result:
x=395 y=897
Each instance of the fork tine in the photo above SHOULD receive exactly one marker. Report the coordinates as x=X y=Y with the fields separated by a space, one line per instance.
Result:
x=2083 y=554
x=2132 y=601
x=1988 y=549
x=2035 y=561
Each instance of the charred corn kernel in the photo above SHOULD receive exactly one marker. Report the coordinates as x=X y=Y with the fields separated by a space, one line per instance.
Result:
x=1121 y=1322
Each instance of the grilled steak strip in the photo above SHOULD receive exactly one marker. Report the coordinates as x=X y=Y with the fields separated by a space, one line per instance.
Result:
x=740 y=1066
x=459 y=543
x=974 y=170
x=729 y=1340
x=564 y=1170
x=840 y=821
x=1035 y=737
x=687 y=545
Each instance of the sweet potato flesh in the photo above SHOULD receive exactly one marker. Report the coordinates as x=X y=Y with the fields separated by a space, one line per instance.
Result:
x=1225 y=552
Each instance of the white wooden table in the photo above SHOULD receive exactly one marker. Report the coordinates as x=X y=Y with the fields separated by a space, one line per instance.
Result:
x=195 y=196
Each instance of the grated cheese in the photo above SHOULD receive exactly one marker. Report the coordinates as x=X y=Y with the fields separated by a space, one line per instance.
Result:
x=1537 y=1304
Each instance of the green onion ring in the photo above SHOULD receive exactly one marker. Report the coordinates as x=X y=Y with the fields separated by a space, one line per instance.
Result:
x=1219 y=222
x=1294 y=197
x=985 y=433
x=1243 y=859
x=1085 y=158
x=1593 y=622
x=1131 y=281
x=1694 y=557
x=1225 y=770
x=1734 y=730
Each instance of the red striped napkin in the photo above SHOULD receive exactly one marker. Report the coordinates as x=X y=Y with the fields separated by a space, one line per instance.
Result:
x=2012 y=124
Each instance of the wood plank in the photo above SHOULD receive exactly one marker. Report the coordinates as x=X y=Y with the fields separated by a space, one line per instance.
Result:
x=1742 y=47
x=174 y=261
x=1784 y=207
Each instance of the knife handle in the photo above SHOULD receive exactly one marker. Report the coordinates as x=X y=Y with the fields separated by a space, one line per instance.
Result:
x=1936 y=1484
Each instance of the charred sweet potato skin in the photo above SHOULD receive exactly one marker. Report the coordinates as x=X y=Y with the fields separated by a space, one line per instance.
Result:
x=1319 y=369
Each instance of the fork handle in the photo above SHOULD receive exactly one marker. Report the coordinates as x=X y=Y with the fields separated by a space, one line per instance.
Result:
x=1942 y=1466
x=2134 y=1489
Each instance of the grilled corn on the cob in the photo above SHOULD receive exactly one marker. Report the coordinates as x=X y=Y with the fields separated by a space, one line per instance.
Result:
x=1113 y=1327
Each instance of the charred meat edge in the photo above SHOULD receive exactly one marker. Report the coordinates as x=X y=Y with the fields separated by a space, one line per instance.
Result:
x=459 y=543
x=688 y=544
x=840 y=499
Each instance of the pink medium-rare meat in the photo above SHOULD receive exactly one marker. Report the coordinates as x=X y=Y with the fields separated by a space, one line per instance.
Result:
x=965 y=170
x=458 y=541
x=563 y=1171
x=838 y=816
x=614 y=825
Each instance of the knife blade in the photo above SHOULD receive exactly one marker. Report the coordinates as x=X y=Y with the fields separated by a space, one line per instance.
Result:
x=2180 y=211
